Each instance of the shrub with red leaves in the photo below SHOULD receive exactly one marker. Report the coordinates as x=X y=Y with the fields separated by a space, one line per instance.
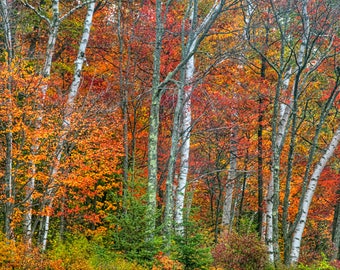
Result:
x=239 y=252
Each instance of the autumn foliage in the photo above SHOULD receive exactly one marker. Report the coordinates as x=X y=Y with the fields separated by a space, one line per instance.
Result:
x=235 y=251
x=74 y=166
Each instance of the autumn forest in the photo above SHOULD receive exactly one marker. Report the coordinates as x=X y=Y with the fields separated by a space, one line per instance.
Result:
x=166 y=134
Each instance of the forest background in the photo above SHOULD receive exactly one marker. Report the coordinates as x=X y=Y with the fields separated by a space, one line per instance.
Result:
x=169 y=134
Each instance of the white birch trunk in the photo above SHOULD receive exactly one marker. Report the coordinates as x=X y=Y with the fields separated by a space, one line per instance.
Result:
x=67 y=115
x=53 y=24
x=197 y=37
x=185 y=149
x=232 y=175
x=46 y=72
x=297 y=235
x=269 y=219
x=280 y=137
x=158 y=89
x=285 y=85
x=264 y=221
x=8 y=177
x=5 y=13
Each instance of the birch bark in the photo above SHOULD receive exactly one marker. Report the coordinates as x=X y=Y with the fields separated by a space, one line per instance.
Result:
x=307 y=199
x=53 y=23
x=280 y=129
x=67 y=118
x=197 y=36
x=46 y=71
x=154 y=124
x=185 y=129
x=158 y=89
x=185 y=149
x=9 y=181
x=232 y=175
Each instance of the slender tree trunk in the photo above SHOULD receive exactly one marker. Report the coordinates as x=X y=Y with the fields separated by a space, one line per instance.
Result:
x=53 y=24
x=154 y=125
x=62 y=225
x=9 y=184
x=232 y=175
x=169 y=203
x=158 y=89
x=243 y=189
x=186 y=132
x=272 y=197
x=124 y=108
x=217 y=196
x=260 y=169
x=8 y=177
x=336 y=230
x=66 y=123
x=46 y=72
x=306 y=184
x=6 y=25
x=183 y=111
x=260 y=151
x=278 y=139
x=307 y=199
x=290 y=164
x=185 y=153
x=194 y=41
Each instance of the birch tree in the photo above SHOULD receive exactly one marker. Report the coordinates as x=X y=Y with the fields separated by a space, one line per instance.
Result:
x=5 y=12
x=53 y=23
x=185 y=148
x=314 y=43
x=227 y=214
x=182 y=113
x=308 y=196
x=67 y=118
x=158 y=89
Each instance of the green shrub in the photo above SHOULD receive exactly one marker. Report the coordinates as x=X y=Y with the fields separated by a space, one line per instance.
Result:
x=73 y=253
x=193 y=249
x=323 y=264
x=76 y=252
x=129 y=236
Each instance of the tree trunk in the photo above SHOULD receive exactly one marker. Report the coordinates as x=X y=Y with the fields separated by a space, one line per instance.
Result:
x=158 y=89
x=6 y=24
x=260 y=170
x=124 y=107
x=307 y=198
x=66 y=123
x=336 y=231
x=260 y=150
x=290 y=164
x=169 y=203
x=46 y=72
x=232 y=175
x=185 y=152
x=278 y=138
x=154 y=125
x=243 y=189
x=8 y=176
x=288 y=234
x=186 y=132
